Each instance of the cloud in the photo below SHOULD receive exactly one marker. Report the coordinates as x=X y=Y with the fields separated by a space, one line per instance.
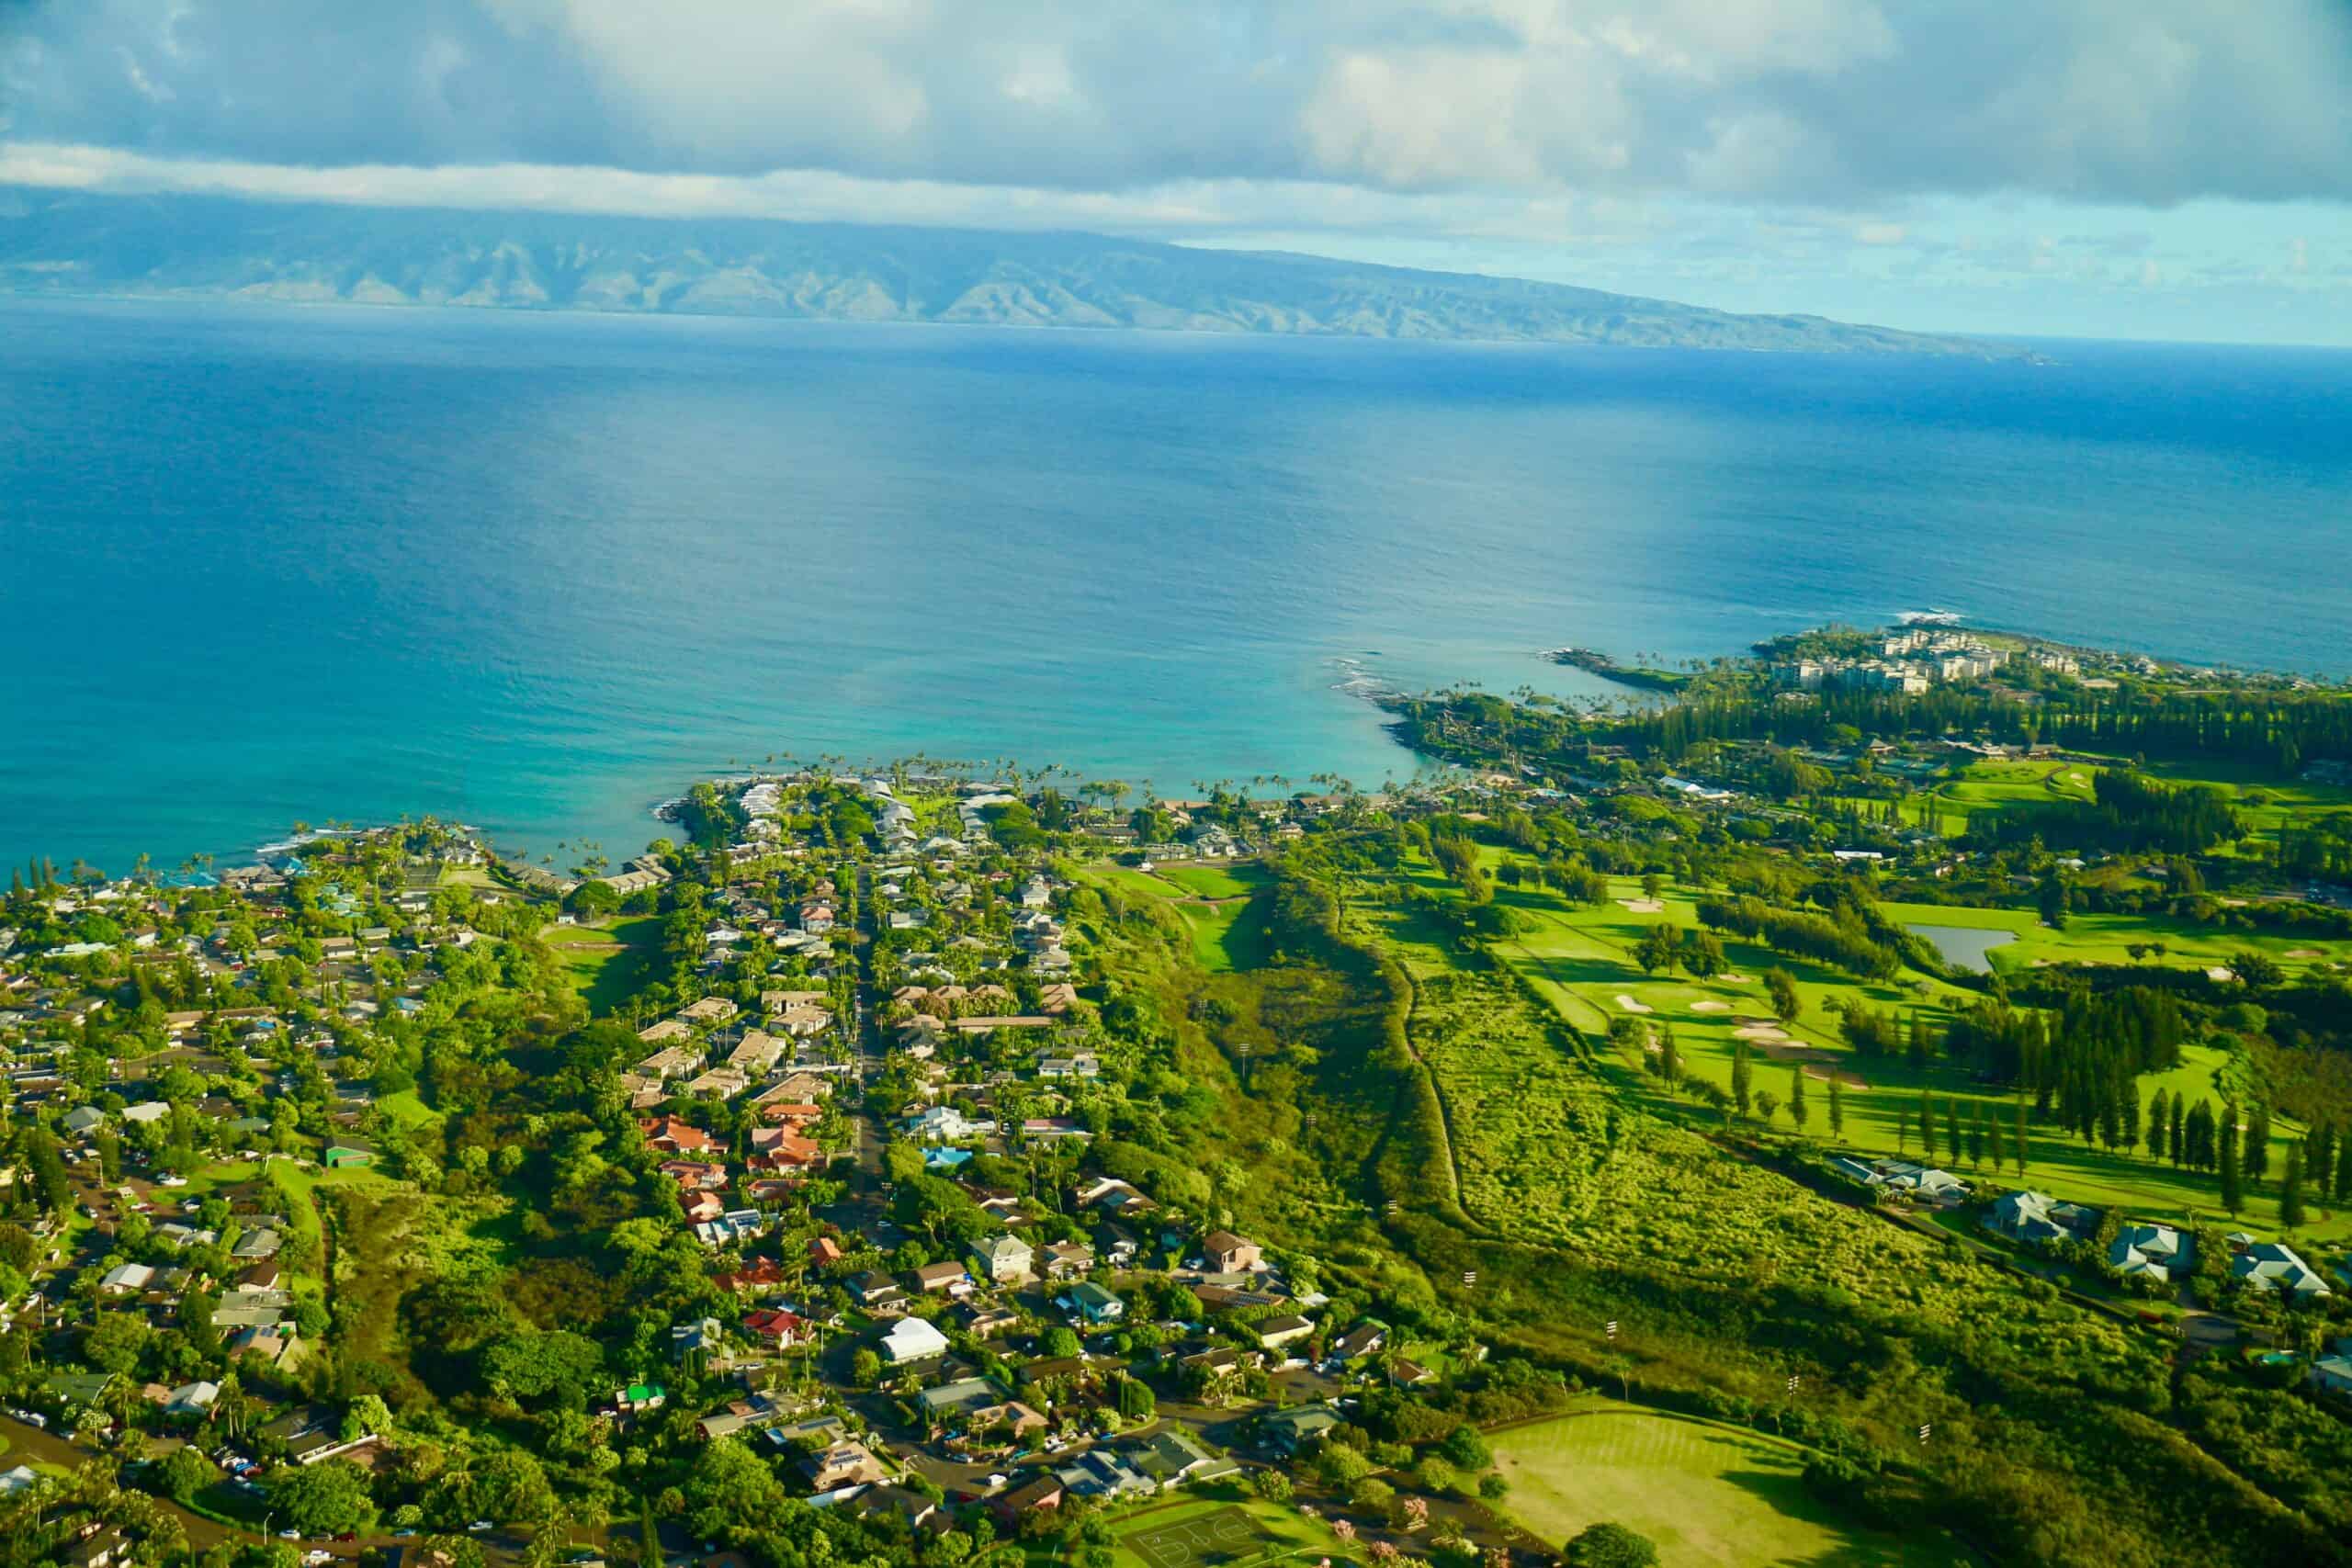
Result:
x=1849 y=103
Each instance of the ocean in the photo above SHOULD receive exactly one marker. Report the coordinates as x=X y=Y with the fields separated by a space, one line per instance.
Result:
x=262 y=564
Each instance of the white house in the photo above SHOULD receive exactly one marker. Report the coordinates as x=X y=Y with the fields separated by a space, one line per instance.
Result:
x=912 y=1339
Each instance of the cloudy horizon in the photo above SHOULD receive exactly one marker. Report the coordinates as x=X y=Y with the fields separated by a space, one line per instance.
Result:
x=2160 y=170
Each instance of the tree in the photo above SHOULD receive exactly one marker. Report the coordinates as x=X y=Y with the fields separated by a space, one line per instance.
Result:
x=1799 y=1113
x=1742 y=1090
x=2159 y=1124
x=2291 y=1191
x=1136 y=1402
x=1927 y=1126
x=322 y=1499
x=2258 y=970
x=115 y=1342
x=1660 y=946
x=1781 y=986
x=185 y=1473
x=1996 y=1147
x=2344 y=1168
x=1837 y=1106
x=2233 y=1179
x=2054 y=899
x=2022 y=1148
x=1610 y=1546
x=1702 y=953
x=2258 y=1143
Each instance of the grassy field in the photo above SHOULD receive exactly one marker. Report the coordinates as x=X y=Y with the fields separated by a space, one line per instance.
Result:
x=1704 y=1493
x=606 y=963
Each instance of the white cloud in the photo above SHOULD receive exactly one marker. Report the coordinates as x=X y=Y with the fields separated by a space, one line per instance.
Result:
x=1844 y=101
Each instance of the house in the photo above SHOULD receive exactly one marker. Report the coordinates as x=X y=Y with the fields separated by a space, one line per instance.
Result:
x=2273 y=1266
x=710 y=1009
x=1366 y=1338
x=1170 y=1457
x=1100 y=1472
x=776 y=1329
x=150 y=1111
x=2151 y=1252
x=874 y=1289
x=257 y=1244
x=1274 y=1333
x=126 y=1280
x=81 y=1123
x=1289 y=1431
x=1037 y=1496
x=2333 y=1373
x=2037 y=1217
x=846 y=1464
x=1002 y=1260
x=1090 y=1304
x=912 y=1339
x=1920 y=1183
x=274 y=1344
x=825 y=1250
x=702 y=1336
x=911 y=1509
x=191 y=1399
x=342 y=1153
x=1226 y=1253
x=1067 y=1259
x=976 y=1404
x=672 y=1135
x=948 y=1277
x=945 y=1124
x=760 y=1274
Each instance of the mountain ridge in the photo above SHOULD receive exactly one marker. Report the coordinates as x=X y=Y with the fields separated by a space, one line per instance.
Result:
x=209 y=246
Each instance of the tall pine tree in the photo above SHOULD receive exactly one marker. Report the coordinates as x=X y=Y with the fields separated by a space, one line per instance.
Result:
x=2291 y=1191
x=1799 y=1113
x=2258 y=1143
x=2233 y=1178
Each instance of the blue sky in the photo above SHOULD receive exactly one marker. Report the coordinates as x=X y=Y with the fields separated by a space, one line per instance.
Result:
x=2173 y=169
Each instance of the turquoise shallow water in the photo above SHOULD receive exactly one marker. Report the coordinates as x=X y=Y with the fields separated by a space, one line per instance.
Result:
x=261 y=564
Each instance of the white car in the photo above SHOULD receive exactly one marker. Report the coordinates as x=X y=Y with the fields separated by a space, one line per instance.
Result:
x=997 y=1481
x=172 y=1181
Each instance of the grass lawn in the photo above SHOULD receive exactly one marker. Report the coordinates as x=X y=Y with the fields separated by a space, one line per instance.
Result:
x=606 y=963
x=407 y=1110
x=1704 y=1493
x=1214 y=881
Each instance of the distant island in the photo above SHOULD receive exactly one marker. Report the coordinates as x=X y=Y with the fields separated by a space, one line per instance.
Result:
x=76 y=243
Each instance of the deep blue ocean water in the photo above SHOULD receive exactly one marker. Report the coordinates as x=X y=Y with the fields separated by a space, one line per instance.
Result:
x=261 y=563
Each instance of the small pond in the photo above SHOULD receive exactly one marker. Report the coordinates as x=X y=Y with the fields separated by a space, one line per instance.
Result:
x=1965 y=947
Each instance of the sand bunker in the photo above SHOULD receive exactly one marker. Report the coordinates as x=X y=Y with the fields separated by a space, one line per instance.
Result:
x=1730 y=979
x=1628 y=1004
x=1644 y=906
x=2217 y=973
x=1763 y=1034
x=2304 y=952
x=1710 y=1006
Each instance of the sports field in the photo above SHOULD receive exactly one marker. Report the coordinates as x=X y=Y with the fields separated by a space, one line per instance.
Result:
x=1227 y=1535
x=1209 y=1534
x=1703 y=1493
